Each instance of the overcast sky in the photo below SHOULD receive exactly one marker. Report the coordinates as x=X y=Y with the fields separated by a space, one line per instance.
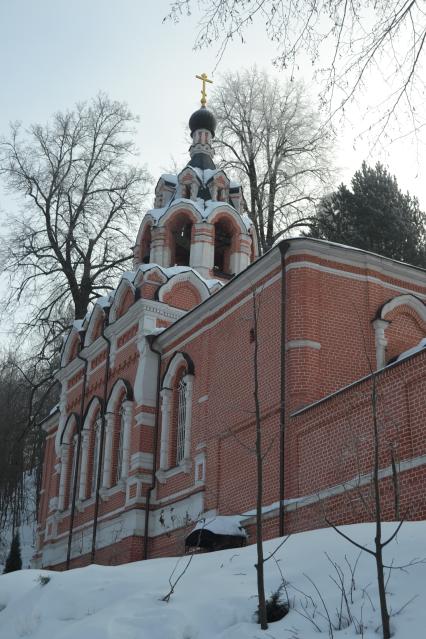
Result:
x=56 y=52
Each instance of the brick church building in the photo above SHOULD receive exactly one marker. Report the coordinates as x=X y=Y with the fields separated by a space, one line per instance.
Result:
x=155 y=427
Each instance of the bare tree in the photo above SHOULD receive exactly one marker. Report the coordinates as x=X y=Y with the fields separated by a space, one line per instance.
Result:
x=271 y=136
x=81 y=198
x=259 y=469
x=350 y=40
x=21 y=441
x=373 y=503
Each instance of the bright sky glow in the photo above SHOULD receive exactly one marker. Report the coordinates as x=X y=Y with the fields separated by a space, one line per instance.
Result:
x=54 y=53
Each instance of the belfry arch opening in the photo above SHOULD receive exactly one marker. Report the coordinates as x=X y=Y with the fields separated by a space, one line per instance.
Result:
x=223 y=237
x=146 y=246
x=181 y=242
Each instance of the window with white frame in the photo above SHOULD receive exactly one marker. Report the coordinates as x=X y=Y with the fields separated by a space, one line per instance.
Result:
x=176 y=417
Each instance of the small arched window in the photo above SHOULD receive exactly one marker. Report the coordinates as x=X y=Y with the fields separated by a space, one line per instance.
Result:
x=146 y=246
x=222 y=247
x=182 y=243
x=186 y=191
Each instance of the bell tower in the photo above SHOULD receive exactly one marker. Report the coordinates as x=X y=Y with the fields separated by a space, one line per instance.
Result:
x=199 y=219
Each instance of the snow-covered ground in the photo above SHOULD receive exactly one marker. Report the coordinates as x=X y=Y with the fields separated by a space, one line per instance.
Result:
x=216 y=597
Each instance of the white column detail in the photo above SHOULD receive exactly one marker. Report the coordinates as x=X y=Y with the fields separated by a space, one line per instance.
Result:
x=84 y=464
x=188 y=379
x=63 y=477
x=109 y=434
x=127 y=425
x=380 y=326
x=166 y=396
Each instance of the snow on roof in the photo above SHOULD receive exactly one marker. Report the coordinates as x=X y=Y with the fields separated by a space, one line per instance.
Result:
x=104 y=301
x=54 y=409
x=411 y=351
x=222 y=525
x=128 y=275
x=169 y=177
x=171 y=271
x=78 y=324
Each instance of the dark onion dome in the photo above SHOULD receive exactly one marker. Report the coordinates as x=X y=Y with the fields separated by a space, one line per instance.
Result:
x=202 y=119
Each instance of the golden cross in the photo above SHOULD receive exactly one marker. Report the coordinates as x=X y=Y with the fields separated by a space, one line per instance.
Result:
x=203 y=77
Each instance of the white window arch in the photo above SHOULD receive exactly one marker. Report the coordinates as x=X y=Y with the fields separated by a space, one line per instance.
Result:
x=380 y=324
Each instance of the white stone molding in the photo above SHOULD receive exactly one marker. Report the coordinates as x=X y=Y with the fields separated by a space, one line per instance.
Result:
x=145 y=390
x=186 y=276
x=380 y=326
x=189 y=383
x=127 y=408
x=408 y=300
x=64 y=455
x=200 y=469
x=85 y=436
x=166 y=396
x=109 y=436
x=141 y=460
x=63 y=477
x=302 y=343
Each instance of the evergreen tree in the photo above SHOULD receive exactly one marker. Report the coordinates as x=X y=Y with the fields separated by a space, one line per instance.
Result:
x=375 y=216
x=14 y=560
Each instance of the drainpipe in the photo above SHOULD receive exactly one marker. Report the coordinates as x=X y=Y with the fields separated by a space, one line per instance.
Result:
x=283 y=246
x=150 y=339
x=77 y=461
x=101 y=442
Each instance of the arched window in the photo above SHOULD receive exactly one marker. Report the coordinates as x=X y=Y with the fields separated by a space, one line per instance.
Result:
x=146 y=246
x=182 y=243
x=222 y=247
x=186 y=191
x=176 y=413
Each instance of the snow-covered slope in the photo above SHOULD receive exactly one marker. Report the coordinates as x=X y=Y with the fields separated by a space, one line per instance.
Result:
x=216 y=597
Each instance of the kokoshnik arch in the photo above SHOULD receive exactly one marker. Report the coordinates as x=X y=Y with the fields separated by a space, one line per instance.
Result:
x=155 y=426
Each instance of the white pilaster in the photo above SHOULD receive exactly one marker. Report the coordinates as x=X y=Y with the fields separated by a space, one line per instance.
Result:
x=188 y=379
x=84 y=464
x=109 y=434
x=127 y=425
x=63 y=477
x=166 y=396
x=380 y=326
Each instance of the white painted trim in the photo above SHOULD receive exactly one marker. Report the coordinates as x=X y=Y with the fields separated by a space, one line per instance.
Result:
x=145 y=419
x=302 y=343
x=359 y=258
x=296 y=503
x=409 y=300
x=141 y=460
x=352 y=276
